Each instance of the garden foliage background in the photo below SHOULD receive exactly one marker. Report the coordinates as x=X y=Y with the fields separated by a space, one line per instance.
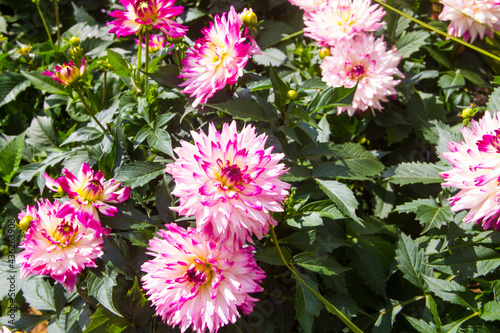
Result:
x=367 y=224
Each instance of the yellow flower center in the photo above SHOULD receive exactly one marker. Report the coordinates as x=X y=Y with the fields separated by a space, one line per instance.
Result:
x=91 y=190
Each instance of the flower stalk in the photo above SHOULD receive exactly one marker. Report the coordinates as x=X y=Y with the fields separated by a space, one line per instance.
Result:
x=37 y=4
x=89 y=110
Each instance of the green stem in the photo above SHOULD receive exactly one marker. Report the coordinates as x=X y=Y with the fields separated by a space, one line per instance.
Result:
x=330 y=306
x=56 y=8
x=146 y=65
x=287 y=37
x=89 y=110
x=37 y=3
x=139 y=55
x=104 y=89
x=425 y=25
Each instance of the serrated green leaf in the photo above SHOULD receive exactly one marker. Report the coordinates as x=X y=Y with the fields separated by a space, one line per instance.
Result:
x=411 y=42
x=490 y=311
x=44 y=83
x=494 y=99
x=331 y=97
x=270 y=56
x=341 y=196
x=39 y=293
x=414 y=172
x=470 y=262
x=434 y=216
x=320 y=264
x=412 y=206
x=451 y=82
x=11 y=85
x=135 y=305
x=421 y=325
x=270 y=255
x=160 y=139
x=384 y=198
x=369 y=268
x=120 y=65
x=495 y=286
x=138 y=173
x=387 y=317
x=41 y=134
x=243 y=109
x=84 y=134
x=128 y=218
x=307 y=305
x=101 y=287
x=104 y=321
x=11 y=156
x=65 y=322
x=452 y=292
x=412 y=261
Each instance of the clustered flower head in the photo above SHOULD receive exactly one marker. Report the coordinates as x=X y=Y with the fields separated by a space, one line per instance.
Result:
x=471 y=18
x=197 y=282
x=58 y=245
x=364 y=61
x=476 y=171
x=218 y=58
x=149 y=14
x=67 y=74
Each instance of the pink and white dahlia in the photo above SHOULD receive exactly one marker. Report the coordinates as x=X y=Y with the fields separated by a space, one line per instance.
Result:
x=471 y=18
x=337 y=20
x=67 y=74
x=156 y=43
x=218 y=58
x=195 y=281
x=229 y=181
x=367 y=62
x=59 y=247
x=150 y=14
x=307 y=6
x=476 y=171
x=88 y=193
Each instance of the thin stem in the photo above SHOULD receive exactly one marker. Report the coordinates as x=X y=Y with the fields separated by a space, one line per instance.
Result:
x=89 y=110
x=287 y=37
x=56 y=8
x=425 y=25
x=147 y=53
x=37 y=3
x=104 y=89
x=330 y=306
x=139 y=55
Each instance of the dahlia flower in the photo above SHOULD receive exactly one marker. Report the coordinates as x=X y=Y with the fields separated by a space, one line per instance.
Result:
x=342 y=19
x=156 y=43
x=476 y=171
x=471 y=18
x=88 y=193
x=364 y=61
x=229 y=181
x=60 y=247
x=151 y=14
x=307 y=6
x=218 y=58
x=67 y=74
x=195 y=281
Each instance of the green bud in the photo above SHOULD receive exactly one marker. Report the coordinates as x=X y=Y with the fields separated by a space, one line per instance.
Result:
x=249 y=18
x=74 y=41
x=25 y=223
x=292 y=94
x=173 y=40
x=324 y=52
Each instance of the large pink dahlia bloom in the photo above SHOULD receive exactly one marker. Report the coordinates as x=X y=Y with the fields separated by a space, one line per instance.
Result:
x=336 y=20
x=471 y=18
x=476 y=171
x=88 y=193
x=195 y=281
x=367 y=62
x=218 y=58
x=59 y=247
x=152 y=14
x=229 y=181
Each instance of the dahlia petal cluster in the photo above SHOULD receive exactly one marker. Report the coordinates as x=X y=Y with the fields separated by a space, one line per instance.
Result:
x=58 y=245
x=333 y=21
x=471 y=18
x=364 y=61
x=150 y=14
x=88 y=193
x=476 y=171
x=218 y=58
x=197 y=282
x=229 y=181
x=67 y=74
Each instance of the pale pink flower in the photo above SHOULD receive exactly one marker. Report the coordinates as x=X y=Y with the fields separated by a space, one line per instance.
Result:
x=364 y=61
x=337 y=20
x=88 y=193
x=67 y=74
x=150 y=14
x=5 y=329
x=307 y=6
x=471 y=18
x=196 y=282
x=156 y=43
x=476 y=171
x=59 y=247
x=229 y=181
x=218 y=58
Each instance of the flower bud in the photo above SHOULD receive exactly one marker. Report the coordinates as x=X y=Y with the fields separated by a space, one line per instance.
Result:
x=24 y=50
x=25 y=223
x=74 y=41
x=173 y=40
x=292 y=94
x=249 y=18
x=324 y=52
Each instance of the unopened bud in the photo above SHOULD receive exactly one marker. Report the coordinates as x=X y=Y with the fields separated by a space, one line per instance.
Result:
x=324 y=52
x=173 y=40
x=468 y=114
x=25 y=222
x=74 y=41
x=292 y=94
x=249 y=18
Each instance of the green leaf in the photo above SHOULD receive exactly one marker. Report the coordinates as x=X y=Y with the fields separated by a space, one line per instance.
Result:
x=341 y=196
x=414 y=172
x=330 y=98
x=490 y=311
x=270 y=255
x=139 y=173
x=31 y=170
x=65 y=322
x=11 y=85
x=128 y=218
x=39 y=293
x=44 y=83
x=325 y=265
x=101 y=287
x=84 y=134
x=307 y=305
x=270 y=56
x=42 y=134
x=412 y=261
x=451 y=82
x=160 y=139
x=421 y=325
x=495 y=286
x=452 y=292
x=387 y=317
x=412 y=206
x=104 y=321
x=136 y=306
x=243 y=109
x=434 y=216
x=369 y=268
x=120 y=65
x=384 y=199
x=494 y=99
x=11 y=156
x=411 y=42
x=439 y=57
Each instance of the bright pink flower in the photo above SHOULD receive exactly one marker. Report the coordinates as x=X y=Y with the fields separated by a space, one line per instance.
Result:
x=194 y=281
x=59 y=247
x=156 y=14
x=88 y=193
x=471 y=18
x=156 y=43
x=342 y=19
x=476 y=171
x=67 y=74
x=218 y=58
x=366 y=62
x=229 y=181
